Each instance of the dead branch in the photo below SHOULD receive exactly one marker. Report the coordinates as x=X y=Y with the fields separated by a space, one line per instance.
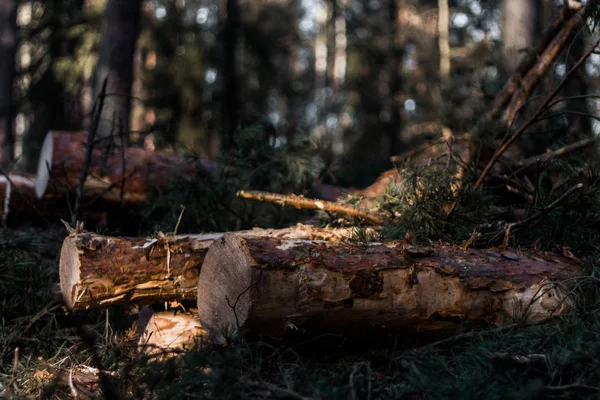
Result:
x=526 y=64
x=299 y=202
x=535 y=116
x=421 y=149
x=89 y=148
x=524 y=165
x=510 y=227
x=543 y=64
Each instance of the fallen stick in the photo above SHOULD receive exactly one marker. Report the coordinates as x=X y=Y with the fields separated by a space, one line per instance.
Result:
x=97 y=270
x=291 y=200
x=266 y=286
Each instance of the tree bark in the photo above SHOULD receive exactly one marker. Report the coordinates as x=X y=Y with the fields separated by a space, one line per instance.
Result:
x=98 y=270
x=267 y=286
x=115 y=61
x=521 y=25
x=114 y=174
x=8 y=51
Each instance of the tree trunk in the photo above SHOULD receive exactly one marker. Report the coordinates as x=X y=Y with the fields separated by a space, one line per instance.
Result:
x=444 y=39
x=267 y=286
x=521 y=25
x=8 y=51
x=114 y=173
x=115 y=61
x=230 y=104
x=395 y=60
x=98 y=270
x=52 y=106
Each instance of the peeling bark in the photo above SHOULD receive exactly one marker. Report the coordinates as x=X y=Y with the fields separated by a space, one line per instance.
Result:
x=97 y=270
x=269 y=286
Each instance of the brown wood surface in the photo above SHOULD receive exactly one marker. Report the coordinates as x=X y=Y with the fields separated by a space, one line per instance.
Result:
x=114 y=173
x=269 y=286
x=170 y=330
x=97 y=270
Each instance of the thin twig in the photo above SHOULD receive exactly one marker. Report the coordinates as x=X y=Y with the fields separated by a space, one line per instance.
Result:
x=88 y=155
x=531 y=161
x=572 y=386
x=544 y=210
x=428 y=145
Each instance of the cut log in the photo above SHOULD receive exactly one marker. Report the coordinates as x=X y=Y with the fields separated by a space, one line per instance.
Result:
x=97 y=270
x=14 y=189
x=271 y=287
x=18 y=202
x=170 y=330
x=114 y=174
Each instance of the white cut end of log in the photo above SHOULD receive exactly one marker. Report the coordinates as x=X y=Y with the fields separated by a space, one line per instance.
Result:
x=69 y=271
x=224 y=287
x=44 y=163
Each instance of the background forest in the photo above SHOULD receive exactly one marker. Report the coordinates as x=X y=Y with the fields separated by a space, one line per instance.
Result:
x=342 y=73
x=466 y=123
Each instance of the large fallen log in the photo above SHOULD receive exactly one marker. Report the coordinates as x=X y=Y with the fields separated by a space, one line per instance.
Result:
x=97 y=270
x=15 y=190
x=18 y=202
x=267 y=286
x=114 y=173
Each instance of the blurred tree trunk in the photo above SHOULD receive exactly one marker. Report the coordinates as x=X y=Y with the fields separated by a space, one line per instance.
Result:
x=395 y=59
x=522 y=24
x=115 y=60
x=8 y=51
x=230 y=104
x=580 y=123
x=52 y=107
x=331 y=45
x=444 y=39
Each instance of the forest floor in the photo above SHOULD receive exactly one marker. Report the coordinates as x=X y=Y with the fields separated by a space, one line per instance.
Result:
x=47 y=353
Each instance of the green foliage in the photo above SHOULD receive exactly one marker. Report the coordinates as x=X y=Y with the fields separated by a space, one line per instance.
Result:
x=419 y=205
x=255 y=162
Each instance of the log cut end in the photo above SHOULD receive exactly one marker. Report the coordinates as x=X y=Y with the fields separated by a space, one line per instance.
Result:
x=224 y=287
x=69 y=271
x=170 y=330
x=43 y=168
